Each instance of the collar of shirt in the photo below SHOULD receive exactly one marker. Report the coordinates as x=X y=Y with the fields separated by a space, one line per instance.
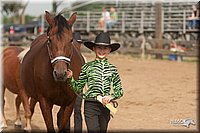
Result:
x=101 y=61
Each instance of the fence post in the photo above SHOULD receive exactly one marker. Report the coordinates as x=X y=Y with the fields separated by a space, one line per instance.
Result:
x=105 y=24
x=141 y=30
x=88 y=21
x=158 y=26
x=184 y=22
x=162 y=22
x=143 y=46
x=42 y=24
x=123 y=22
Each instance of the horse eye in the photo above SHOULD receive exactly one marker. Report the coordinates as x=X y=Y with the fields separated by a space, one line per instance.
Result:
x=71 y=40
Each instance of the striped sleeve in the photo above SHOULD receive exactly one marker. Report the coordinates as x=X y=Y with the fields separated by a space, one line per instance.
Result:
x=77 y=85
x=117 y=86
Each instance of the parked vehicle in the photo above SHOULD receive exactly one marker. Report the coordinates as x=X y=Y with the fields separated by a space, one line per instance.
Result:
x=15 y=32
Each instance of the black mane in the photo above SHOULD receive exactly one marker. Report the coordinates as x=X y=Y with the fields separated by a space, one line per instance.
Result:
x=61 y=22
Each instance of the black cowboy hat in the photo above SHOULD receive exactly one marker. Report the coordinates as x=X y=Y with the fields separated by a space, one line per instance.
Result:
x=77 y=37
x=102 y=39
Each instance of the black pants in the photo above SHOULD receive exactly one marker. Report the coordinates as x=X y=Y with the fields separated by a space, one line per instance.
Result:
x=77 y=114
x=96 y=117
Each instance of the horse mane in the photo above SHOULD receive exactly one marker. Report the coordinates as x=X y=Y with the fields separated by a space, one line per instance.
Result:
x=78 y=51
x=61 y=22
x=22 y=54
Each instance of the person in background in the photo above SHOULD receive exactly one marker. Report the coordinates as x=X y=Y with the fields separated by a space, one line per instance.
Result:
x=176 y=48
x=113 y=18
x=193 y=18
x=100 y=76
x=105 y=16
x=12 y=30
x=173 y=48
x=78 y=102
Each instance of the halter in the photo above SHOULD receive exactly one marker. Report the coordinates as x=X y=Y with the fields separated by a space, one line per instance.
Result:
x=67 y=60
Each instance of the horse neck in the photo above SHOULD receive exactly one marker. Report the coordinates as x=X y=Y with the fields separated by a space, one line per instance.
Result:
x=77 y=53
x=77 y=62
x=42 y=39
x=77 y=46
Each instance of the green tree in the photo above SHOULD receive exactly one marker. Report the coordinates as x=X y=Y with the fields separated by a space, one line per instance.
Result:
x=55 y=5
x=12 y=9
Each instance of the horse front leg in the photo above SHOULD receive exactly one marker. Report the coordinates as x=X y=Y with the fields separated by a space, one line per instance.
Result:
x=46 y=109
x=3 y=123
x=63 y=118
x=18 y=122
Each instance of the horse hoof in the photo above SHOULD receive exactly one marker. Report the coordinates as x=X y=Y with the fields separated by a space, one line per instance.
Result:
x=27 y=129
x=18 y=123
x=18 y=126
x=3 y=125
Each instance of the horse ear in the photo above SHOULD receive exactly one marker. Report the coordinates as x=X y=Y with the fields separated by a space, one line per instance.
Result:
x=49 y=19
x=72 y=19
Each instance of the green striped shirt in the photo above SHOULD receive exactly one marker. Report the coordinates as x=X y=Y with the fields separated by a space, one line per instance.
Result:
x=100 y=76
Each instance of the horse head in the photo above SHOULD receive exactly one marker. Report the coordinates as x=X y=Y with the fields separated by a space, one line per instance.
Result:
x=60 y=41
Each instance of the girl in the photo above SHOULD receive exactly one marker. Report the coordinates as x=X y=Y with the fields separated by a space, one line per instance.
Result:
x=99 y=75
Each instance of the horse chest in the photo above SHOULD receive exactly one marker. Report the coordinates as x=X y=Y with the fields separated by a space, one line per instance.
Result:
x=58 y=94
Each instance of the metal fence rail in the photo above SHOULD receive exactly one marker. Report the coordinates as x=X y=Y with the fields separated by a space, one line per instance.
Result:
x=138 y=21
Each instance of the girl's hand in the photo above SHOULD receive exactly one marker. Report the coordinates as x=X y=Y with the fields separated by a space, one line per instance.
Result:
x=106 y=99
x=69 y=73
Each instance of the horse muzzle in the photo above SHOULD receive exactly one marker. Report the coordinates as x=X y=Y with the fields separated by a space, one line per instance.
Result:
x=60 y=75
x=60 y=65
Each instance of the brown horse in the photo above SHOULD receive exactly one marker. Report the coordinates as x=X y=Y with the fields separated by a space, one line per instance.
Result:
x=44 y=70
x=12 y=81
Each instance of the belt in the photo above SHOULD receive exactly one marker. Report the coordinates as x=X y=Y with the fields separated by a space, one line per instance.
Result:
x=93 y=99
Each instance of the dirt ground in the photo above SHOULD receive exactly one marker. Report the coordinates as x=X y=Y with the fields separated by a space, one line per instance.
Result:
x=158 y=95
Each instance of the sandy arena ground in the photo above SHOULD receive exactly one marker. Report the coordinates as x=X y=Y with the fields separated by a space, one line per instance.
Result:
x=157 y=93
